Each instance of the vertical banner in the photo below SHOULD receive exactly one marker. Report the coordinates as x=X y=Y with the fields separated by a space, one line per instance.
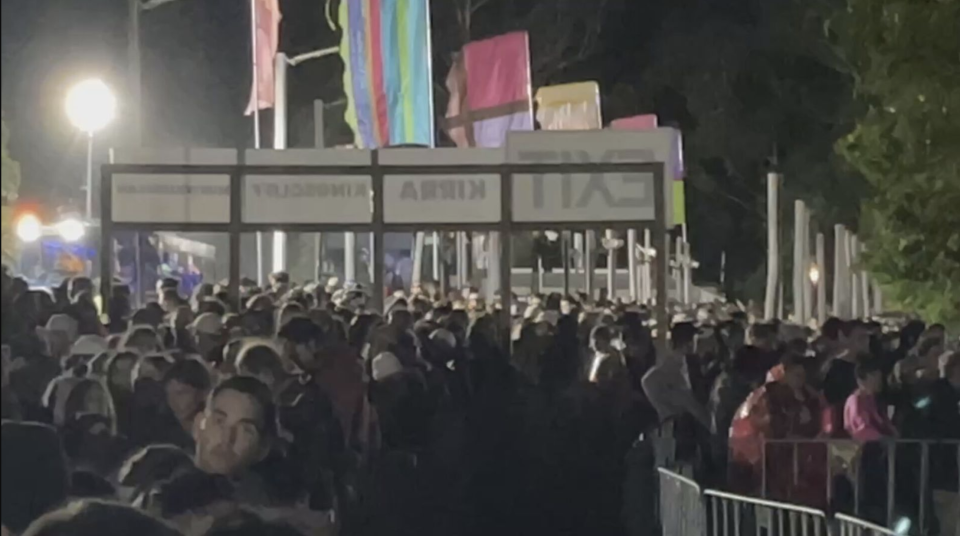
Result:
x=387 y=71
x=266 y=21
x=569 y=107
x=649 y=122
x=490 y=91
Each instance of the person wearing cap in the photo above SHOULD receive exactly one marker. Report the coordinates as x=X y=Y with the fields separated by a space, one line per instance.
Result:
x=207 y=332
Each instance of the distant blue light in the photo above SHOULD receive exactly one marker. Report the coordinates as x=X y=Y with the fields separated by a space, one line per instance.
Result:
x=902 y=525
x=922 y=403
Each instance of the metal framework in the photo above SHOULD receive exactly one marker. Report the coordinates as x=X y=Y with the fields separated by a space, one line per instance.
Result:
x=378 y=173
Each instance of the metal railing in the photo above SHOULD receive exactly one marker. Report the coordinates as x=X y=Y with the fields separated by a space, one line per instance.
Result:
x=681 y=505
x=738 y=515
x=851 y=526
x=686 y=509
x=903 y=465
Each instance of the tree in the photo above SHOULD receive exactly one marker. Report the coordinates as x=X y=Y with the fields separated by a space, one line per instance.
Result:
x=904 y=58
x=10 y=189
x=745 y=84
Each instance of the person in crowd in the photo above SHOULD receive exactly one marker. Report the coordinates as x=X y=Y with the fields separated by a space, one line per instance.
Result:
x=667 y=385
x=237 y=436
x=208 y=336
x=863 y=415
x=34 y=476
x=941 y=418
x=186 y=385
x=98 y=518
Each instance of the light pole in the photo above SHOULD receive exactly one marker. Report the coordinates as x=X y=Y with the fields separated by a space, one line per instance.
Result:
x=90 y=107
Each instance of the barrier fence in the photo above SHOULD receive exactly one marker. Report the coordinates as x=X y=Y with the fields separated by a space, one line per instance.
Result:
x=682 y=510
x=851 y=526
x=885 y=481
x=738 y=515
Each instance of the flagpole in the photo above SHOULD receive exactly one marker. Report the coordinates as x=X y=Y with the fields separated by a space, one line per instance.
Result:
x=256 y=74
x=256 y=120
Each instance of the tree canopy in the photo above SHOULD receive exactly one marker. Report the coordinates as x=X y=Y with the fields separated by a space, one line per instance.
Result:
x=905 y=58
x=10 y=189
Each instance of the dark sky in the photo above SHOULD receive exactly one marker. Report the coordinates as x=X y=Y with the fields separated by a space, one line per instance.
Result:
x=196 y=73
x=195 y=77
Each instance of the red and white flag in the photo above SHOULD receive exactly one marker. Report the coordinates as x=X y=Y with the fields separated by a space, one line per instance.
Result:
x=266 y=29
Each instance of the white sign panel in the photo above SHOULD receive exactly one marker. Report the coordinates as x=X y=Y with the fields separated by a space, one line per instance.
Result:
x=583 y=197
x=595 y=197
x=441 y=198
x=171 y=198
x=307 y=199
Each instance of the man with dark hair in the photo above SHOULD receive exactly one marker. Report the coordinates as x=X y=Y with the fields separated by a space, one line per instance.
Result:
x=260 y=360
x=186 y=385
x=34 y=476
x=98 y=518
x=237 y=428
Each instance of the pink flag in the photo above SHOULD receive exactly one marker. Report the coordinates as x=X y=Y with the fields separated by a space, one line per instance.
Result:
x=266 y=21
x=636 y=122
x=490 y=91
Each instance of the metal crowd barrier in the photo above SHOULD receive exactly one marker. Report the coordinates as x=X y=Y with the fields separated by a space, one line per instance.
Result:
x=737 y=515
x=681 y=505
x=851 y=526
x=687 y=510
x=845 y=457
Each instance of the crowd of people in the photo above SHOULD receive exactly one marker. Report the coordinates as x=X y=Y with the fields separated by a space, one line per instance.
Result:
x=303 y=412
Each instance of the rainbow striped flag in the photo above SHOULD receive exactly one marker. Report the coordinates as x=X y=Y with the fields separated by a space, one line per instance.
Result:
x=387 y=76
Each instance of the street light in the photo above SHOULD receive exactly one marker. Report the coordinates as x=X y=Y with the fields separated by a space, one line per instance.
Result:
x=29 y=228
x=71 y=230
x=814 y=274
x=90 y=107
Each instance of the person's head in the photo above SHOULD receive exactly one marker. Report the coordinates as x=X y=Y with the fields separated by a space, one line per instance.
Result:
x=79 y=285
x=182 y=317
x=86 y=484
x=238 y=427
x=601 y=339
x=207 y=330
x=91 y=517
x=193 y=501
x=302 y=339
x=152 y=367
x=141 y=339
x=119 y=372
x=151 y=465
x=150 y=315
x=870 y=376
x=34 y=476
x=794 y=372
x=246 y=523
x=170 y=300
x=683 y=337
x=950 y=368
x=280 y=281
x=186 y=385
x=764 y=336
x=119 y=308
x=855 y=337
x=260 y=360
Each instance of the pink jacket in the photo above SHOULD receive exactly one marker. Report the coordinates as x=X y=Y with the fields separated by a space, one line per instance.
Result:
x=863 y=420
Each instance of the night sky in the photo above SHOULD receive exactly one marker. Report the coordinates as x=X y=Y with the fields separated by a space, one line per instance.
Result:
x=195 y=74
x=734 y=75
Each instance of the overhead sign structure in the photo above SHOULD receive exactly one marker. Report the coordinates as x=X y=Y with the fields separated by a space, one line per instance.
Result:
x=307 y=199
x=557 y=180
x=448 y=198
x=171 y=199
x=578 y=197
x=441 y=199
